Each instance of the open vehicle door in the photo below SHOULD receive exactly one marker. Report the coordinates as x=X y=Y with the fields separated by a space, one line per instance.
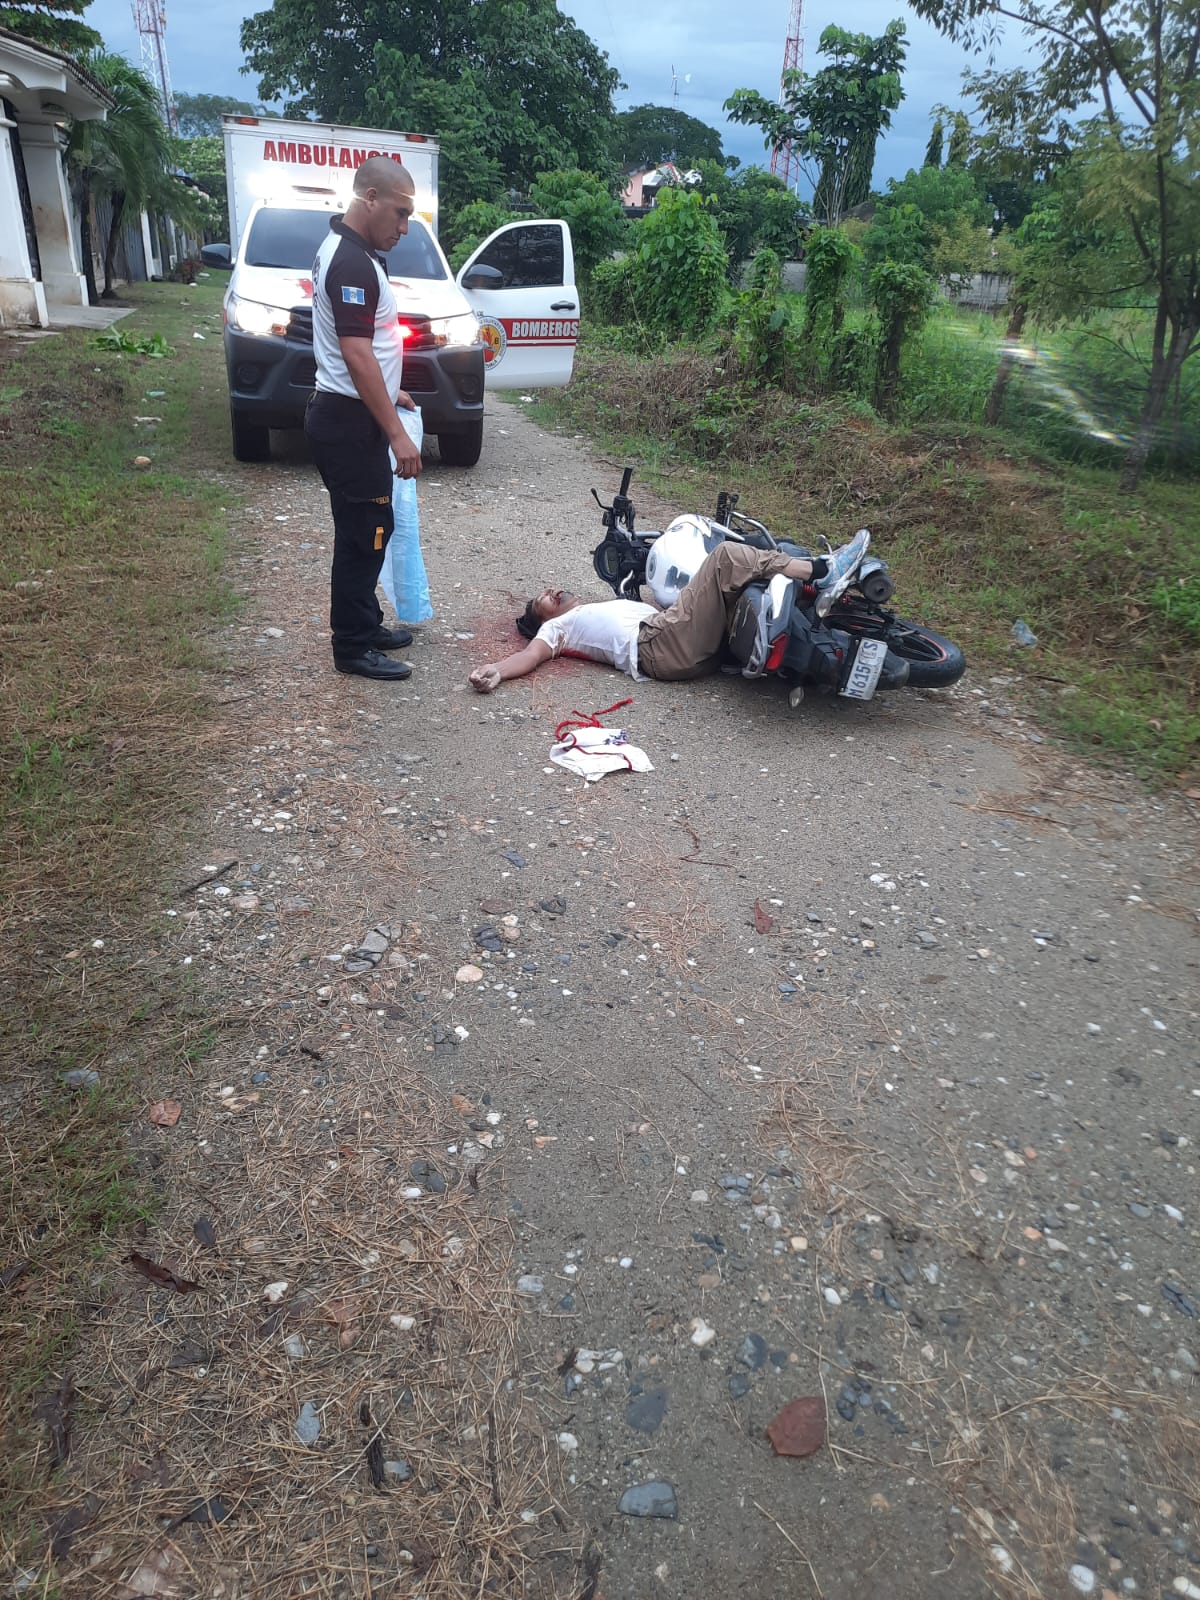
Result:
x=521 y=282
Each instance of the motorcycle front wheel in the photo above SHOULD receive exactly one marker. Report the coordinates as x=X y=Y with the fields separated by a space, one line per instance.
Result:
x=933 y=662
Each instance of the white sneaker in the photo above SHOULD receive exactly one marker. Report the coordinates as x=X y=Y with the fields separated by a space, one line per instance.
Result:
x=843 y=562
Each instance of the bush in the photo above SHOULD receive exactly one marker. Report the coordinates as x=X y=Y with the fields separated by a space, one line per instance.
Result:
x=465 y=230
x=597 y=223
x=678 y=280
x=613 y=292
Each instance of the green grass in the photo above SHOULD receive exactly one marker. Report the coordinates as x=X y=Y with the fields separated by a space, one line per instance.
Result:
x=980 y=526
x=111 y=583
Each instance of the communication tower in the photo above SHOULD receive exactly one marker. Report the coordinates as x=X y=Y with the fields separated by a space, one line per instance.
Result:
x=785 y=163
x=150 y=20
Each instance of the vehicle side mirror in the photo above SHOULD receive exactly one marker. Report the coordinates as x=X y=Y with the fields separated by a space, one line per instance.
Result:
x=481 y=277
x=217 y=255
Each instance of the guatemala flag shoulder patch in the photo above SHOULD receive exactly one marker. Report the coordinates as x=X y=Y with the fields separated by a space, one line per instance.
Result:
x=354 y=297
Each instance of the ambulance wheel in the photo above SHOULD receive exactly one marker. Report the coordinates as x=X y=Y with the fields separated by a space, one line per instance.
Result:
x=251 y=441
x=462 y=449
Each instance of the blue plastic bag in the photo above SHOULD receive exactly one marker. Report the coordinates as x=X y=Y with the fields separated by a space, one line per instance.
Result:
x=403 y=575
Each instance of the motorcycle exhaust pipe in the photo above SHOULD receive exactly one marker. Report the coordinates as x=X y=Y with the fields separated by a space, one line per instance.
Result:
x=875 y=581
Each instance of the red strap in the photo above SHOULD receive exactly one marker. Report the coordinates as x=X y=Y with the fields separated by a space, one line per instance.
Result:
x=578 y=720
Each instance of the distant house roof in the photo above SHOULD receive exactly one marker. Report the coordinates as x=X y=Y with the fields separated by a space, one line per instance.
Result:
x=28 y=69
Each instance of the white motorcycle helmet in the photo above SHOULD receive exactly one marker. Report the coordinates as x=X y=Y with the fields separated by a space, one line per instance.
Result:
x=678 y=553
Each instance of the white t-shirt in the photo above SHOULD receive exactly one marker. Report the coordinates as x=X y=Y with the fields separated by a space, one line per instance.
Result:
x=606 y=631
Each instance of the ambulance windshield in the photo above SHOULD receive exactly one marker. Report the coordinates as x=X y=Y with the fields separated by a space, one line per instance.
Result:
x=290 y=238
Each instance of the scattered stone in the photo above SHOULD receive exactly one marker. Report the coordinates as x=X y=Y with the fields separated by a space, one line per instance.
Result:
x=308 y=1424
x=847 y=1404
x=468 y=974
x=400 y=1470
x=1082 y=1578
x=699 y=1197
x=735 y=1182
x=739 y=1385
x=799 y=1429
x=1185 y=1359
x=555 y=906
x=646 y=1411
x=488 y=939
x=926 y=940
x=702 y=1334
x=274 y=1292
x=530 y=1283
x=1140 y=1210
x=1023 y=634
x=294 y=1347
x=832 y=1297
x=752 y=1351
x=567 y=1443
x=654 y=1499
x=81 y=1078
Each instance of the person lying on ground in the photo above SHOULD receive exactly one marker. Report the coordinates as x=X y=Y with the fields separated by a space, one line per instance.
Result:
x=687 y=640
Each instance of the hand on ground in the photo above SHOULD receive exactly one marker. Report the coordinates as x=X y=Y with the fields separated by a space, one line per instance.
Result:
x=485 y=679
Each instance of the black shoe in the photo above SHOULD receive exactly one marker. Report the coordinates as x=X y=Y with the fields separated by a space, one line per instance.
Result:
x=391 y=639
x=371 y=664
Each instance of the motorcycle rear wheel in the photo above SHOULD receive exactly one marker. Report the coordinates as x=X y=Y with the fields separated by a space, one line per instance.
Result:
x=933 y=661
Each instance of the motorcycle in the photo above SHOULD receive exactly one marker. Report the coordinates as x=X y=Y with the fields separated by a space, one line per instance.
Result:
x=839 y=639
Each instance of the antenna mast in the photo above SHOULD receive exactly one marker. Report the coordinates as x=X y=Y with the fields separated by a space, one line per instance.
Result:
x=785 y=163
x=150 y=19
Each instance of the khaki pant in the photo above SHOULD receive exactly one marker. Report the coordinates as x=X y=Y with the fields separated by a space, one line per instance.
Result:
x=688 y=639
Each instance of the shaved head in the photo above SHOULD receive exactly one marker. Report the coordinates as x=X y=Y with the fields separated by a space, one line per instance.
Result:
x=381 y=172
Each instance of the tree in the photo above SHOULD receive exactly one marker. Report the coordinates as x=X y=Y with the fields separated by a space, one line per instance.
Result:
x=834 y=118
x=645 y=135
x=754 y=211
x=200 y=114
x=511 y=87
x=959 y=147
x=597 y=223
x=203 y=159
x=933 y=150
x=1134 y=184
x=935 y=218
x=129 y=157
x=51 y=22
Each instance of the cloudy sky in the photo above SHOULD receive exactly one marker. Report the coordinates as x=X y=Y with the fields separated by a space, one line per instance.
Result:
x=643 y=44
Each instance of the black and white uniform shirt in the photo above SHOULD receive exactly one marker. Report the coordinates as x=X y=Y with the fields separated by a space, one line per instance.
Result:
x=352 y=299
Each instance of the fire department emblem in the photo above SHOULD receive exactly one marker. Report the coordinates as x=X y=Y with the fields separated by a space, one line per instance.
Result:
x=495 y=342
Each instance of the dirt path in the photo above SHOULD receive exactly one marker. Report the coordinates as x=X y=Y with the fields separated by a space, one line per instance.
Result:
x=917 y=1139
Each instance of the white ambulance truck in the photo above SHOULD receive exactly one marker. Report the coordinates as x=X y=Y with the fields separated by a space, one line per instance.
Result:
x=510 y=319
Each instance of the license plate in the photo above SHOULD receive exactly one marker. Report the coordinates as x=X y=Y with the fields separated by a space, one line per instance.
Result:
x=864 y=674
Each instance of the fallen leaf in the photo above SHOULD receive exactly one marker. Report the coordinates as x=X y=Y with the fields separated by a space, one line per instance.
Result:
x=67 y=1524
x=462 y=1105
x=13 y=1274
x=763 y=920
x=208 y=1512
x=154 y=1576
x=799 y=1429
x=53 y=1411
x=160 y=1274
x=205 y=1233
x=344 y=1314
x=165 y=1113
x=237 y=1102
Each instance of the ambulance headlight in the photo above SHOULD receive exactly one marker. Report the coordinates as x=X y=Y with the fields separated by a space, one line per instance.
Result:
x=455 y=333
x=251 y=316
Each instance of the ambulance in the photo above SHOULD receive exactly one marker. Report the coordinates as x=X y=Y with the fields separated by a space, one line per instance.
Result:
x=508 y=320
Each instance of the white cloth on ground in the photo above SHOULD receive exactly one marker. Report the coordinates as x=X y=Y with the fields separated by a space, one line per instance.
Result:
x=592 y=752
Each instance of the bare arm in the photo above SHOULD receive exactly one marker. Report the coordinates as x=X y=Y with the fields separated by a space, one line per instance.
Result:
x=518 y=665
x=363 y=367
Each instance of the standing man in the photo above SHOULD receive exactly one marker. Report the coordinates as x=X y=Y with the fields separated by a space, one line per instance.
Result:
x=352 y=421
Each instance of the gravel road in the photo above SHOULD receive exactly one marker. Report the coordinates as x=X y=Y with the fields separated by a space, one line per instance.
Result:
x=851 y=1053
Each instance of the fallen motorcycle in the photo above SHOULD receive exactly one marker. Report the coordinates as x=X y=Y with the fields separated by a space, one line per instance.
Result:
x=840 y=639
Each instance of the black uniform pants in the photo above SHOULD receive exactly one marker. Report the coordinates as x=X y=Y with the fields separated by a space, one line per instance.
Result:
x=351 y=454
